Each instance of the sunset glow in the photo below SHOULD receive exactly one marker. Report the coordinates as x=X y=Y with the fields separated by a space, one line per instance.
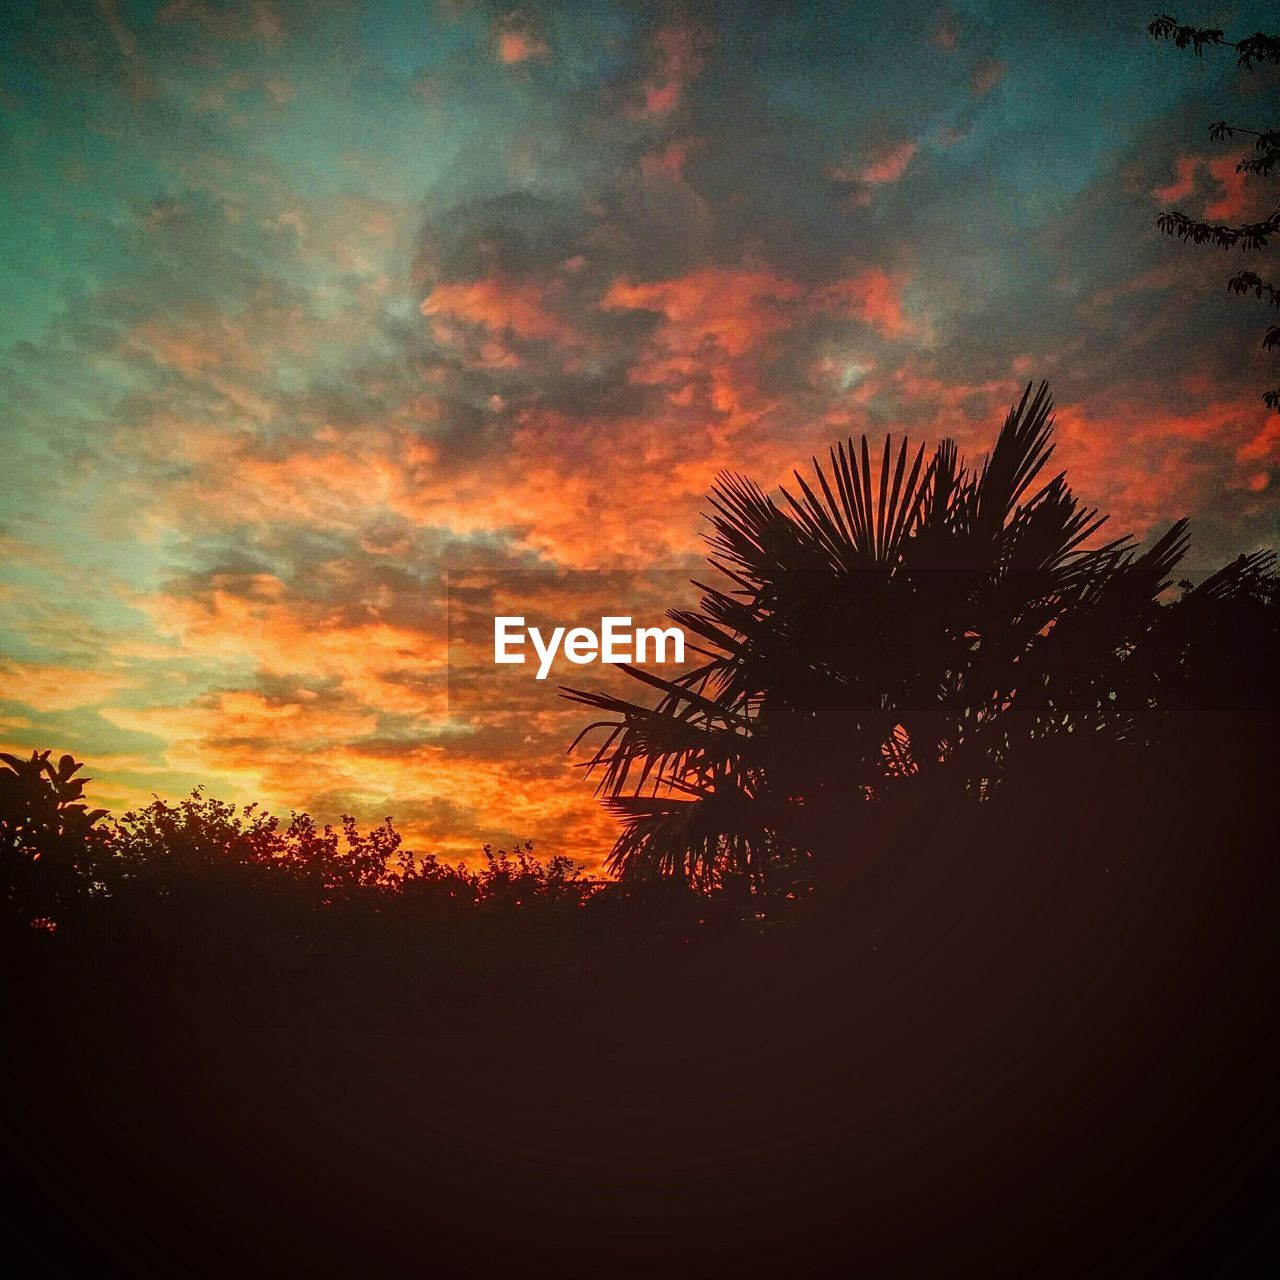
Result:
x=307 y=305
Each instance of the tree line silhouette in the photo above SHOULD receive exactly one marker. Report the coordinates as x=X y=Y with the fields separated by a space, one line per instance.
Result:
x=941 y=941
x=237 y=892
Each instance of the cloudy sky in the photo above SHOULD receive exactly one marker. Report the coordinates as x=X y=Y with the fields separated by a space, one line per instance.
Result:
x=305 y=305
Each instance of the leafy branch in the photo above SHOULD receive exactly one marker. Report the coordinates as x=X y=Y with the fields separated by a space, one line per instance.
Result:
x=1248 y=282
x=1267 y=145
x=1254 y=48
x=1251 y=236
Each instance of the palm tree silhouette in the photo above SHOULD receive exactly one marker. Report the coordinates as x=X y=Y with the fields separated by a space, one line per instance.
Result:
x=920 y=626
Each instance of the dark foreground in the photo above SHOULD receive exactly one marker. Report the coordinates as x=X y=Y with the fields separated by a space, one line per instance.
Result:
x=1054 y=1061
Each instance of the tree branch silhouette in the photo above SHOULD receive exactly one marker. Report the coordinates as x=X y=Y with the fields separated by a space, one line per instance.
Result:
x=1253 y=236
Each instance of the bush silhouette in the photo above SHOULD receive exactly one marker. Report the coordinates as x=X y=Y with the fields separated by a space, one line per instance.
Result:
x=46 y=831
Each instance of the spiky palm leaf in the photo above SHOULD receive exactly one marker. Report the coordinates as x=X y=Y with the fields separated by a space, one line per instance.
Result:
x=880 y=627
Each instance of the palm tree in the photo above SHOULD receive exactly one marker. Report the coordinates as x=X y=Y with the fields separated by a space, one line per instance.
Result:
x=918 y=625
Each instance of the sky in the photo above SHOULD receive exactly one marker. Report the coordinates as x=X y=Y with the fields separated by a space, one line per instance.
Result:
x=306 y=307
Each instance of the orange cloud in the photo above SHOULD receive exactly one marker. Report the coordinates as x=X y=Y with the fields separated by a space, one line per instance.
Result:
x=55 y=687
x=1184 y=183
x=1146 y=465
x=890 y=164
x=740 y=309
x=964 y=411
x=737 y=309
x=1264 y=446
x=1233 y=201
x=873 y=296
x=516 y=42
x=885 y=166
x=500 y=305
x=300 y=722
x=259 y=620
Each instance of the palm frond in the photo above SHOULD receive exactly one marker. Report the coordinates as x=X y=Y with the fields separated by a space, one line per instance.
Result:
x=884 y=628
x=854 y=530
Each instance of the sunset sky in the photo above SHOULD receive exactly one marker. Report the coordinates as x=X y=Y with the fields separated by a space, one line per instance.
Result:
x=304 y=305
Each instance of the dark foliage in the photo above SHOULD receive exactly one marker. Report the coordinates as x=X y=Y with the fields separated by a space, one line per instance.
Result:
x=236 y=892
x=1254 y=48
x=45 y=830
x=926 y=635
x=1257 y=49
